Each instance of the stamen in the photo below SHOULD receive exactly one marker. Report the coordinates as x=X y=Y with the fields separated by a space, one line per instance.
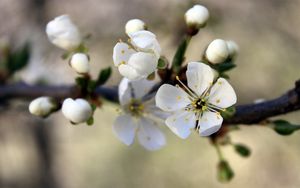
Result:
x=189 y=91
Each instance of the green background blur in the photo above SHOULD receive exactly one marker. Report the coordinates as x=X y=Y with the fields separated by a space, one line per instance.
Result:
x=53 y=153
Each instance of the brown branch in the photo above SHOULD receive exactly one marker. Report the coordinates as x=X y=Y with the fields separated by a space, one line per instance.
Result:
x=245 y=114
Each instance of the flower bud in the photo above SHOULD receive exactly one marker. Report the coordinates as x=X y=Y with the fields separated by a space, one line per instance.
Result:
x=196 y=17
x=42 y=106
x=63 y=33
x=233 y=48
x=217 y=51
x=77 y=111
x=134 y=25
x=80 y=63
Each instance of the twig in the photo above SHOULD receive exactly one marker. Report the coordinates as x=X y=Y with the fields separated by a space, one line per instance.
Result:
x=245 y=114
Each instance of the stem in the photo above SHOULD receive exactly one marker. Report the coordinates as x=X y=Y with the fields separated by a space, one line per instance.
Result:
x=179 y=56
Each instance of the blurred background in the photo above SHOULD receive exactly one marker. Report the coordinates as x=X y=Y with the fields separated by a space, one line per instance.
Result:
x=53 y=153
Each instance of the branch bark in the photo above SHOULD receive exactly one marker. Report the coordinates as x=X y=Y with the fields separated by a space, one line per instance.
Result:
x=245 y=114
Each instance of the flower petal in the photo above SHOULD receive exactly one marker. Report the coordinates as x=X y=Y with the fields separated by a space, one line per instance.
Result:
x=145 y=41
x=170 y=98
x=181 y=123
x=143 y=63
x=122 y=53
x=199 y=77
x=210 y=123
x=149 y=135
x=222 y=94
x=138 y=89
x=124 y=128
x=124 y=92
x=129 y=72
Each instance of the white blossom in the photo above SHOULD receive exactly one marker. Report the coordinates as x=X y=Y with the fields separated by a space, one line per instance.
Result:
x=138 y=58
x=63 y=33
x=134 y=25
x=42 y=106
x=217 y=51
x=80 y=63
x=197 y=16
x=198 y=104
x=138 y=117
x=233 y=48
x=77 y=111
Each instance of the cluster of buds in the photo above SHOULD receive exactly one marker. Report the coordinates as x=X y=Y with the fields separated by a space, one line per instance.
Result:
x=63 y=33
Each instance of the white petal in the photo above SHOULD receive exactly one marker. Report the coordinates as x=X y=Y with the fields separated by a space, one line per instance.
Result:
x=222 y=94
x=181 y=123
x=122 y=53
x=170 y=98
x=143 y=63
x=77 y=111
x=124 y=92
x=128 y=72
x=124 y=128
x=80 y=63
x=199 y=77
x=149 y=135
x=134 y=25
x=146 y=41
x=63 y=33
x=210 y=123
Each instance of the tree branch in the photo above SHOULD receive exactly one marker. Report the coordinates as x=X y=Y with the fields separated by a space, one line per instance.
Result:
x=245 y=114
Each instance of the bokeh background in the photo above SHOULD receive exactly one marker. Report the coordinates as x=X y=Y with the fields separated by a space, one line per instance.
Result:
x=53 y=153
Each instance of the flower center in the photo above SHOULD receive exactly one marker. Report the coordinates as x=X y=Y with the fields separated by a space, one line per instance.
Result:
x=199 y=104
x=135 y=107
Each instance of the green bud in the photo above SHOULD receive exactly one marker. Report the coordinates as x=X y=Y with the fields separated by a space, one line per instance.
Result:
x=90 y=121
x=225 y=173
x=162 y=63
x=242 y=150
x=228 y=113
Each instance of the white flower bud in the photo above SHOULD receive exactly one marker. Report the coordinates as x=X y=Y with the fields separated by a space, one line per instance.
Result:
x=134 y=25
x=233 y=48
x=217 y=51
x=196 y=16
x=80 y=63
x=63 y=33
x=77 y=111
x=42 y=106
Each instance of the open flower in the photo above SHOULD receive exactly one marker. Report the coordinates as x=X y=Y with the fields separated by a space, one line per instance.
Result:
x=139 y=57
x=197 y=105
x=63 y=33
x=138 y=116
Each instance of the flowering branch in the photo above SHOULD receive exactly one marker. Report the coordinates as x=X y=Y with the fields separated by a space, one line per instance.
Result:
x=245 y=114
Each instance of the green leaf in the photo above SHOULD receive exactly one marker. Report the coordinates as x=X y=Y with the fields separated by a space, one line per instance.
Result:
x=81 y=81
x=225 y=173
x=82 y=49
x=94 y=107
x=66 y=55
x=180 y=54
x=18 y=59
x=151 y=76
x=228 y=113
x=91 y=86
x=90 y=121
x=242 y=150
x=284 y=127
x=162 y=63
x=223 y=67
x=104 y=76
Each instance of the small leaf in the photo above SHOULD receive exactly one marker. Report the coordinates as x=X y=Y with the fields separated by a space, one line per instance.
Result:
x=242 y=150
x=285 y=128
x=82 y=49
x=162 y=63
x=151 y=76
x=225 y=173
x=18 y=59
x=228 y=113
x=94 y=107
x=81 y=81
x=90 y=121
x=66 y=55
x=91 y=86
x=104 y=76
x=180 y=54
x=223 y=67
